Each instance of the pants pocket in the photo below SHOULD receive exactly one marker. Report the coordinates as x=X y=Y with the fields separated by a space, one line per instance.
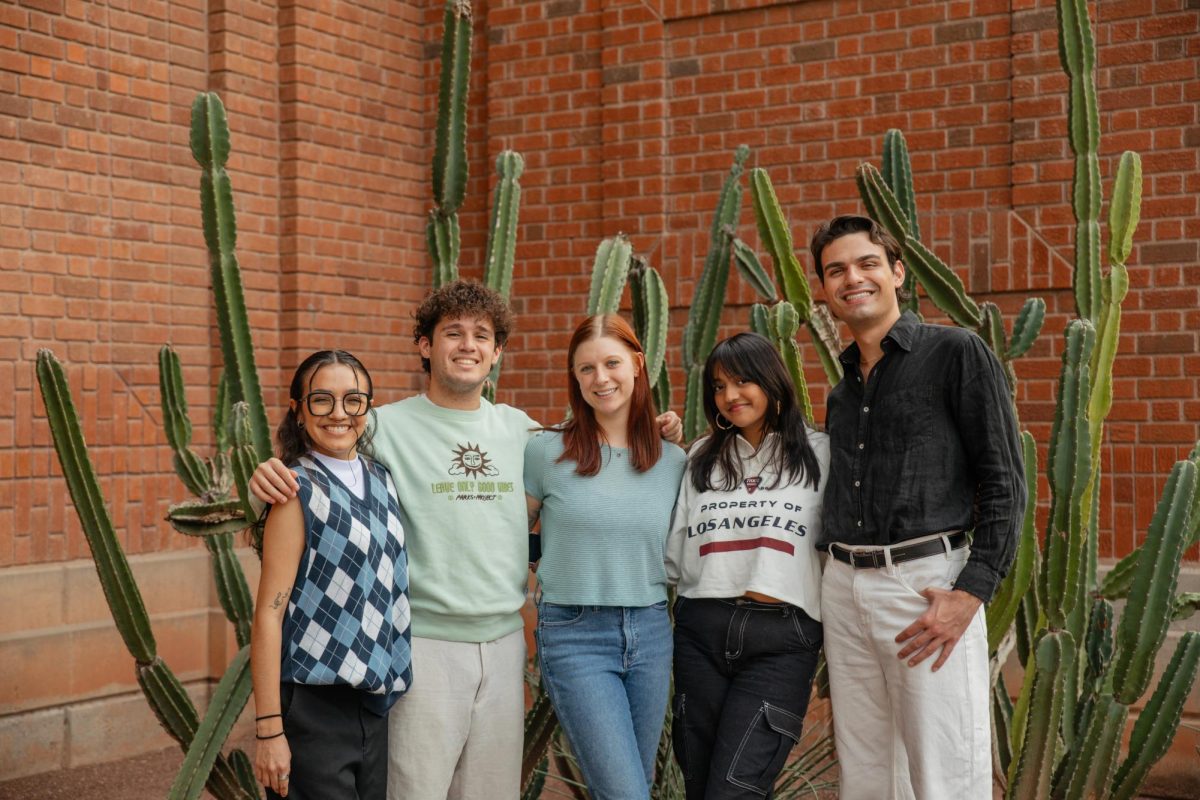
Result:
x=764 y=748
x=679 y=735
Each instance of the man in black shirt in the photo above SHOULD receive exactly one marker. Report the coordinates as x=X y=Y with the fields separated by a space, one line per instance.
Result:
x=924 y=497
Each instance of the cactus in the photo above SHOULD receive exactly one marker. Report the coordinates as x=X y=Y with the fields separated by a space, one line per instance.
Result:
x=1077 y=52
x=1002 y=611
x=210 y=147
x=1035 y=765
x=752 y=270
x=897 y=173
x=502 y=234
x=228 y=700
x=608 y=275
x=450 y=143
x=650 y=318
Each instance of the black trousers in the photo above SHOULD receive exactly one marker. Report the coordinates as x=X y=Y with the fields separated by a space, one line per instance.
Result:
x=743 y=674
x=339 y=746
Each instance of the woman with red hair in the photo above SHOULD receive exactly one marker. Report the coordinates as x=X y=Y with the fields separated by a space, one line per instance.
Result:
x=604 y=484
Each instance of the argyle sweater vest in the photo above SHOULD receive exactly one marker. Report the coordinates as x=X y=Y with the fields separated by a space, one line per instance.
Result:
x=348 y=614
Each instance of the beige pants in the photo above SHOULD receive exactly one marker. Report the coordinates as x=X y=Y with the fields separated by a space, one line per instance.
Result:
x=904 y=732
x=458 y=732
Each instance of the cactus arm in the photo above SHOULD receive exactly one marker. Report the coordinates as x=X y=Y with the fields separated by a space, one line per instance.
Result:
x=652 y=306
x=1089 y=770
x=825 y=339
x=1035 y=764
x=443 y=240
x=1156 y=725
x=991 y=330
x=1069 y=473
x=1002 y=713
x=204 y=519
x=941 y=284
x=502 y=234
x=191 y=469
x=450 y=137
x=177 y=714
x=232 y=591
x=897 y=173
x=116 y=578
x=1126 y=207
x=608 y=275
x=210 y=145
x=1147 y=613
x=759 y=321
x=783 y=322
x=752 y=270
x=1004 y=606
x=1077 y=52
x=1117 y=581
x=694 y=422
x=228 y=700
x=774 y=233
x=1027 y=327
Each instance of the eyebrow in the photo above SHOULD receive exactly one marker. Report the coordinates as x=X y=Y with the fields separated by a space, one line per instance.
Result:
x=858 y=260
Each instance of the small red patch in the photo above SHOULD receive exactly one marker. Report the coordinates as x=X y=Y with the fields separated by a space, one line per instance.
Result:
x=752 y=483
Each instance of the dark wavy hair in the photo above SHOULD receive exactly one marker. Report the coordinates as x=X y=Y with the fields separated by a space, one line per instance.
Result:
x=293 y=440
x=581 y=433
x=753 y=358
x=845 y=225
x=462 y=299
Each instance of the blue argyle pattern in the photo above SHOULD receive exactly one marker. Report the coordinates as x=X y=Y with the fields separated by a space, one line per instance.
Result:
x=348 y=615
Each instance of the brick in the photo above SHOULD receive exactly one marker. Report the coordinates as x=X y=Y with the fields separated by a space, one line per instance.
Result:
x=816 y=51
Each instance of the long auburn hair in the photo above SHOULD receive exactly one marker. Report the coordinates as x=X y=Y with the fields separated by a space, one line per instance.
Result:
x=753 y=358
x=581 y=433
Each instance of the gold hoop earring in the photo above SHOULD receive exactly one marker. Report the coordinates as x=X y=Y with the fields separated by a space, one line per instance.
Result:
x=717 y=422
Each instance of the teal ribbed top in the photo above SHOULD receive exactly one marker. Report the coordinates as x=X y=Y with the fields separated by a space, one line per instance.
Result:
x=603 y=537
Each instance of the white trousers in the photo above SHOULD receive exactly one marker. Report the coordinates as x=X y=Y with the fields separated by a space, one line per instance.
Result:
x=458 y=732
x=904 y=733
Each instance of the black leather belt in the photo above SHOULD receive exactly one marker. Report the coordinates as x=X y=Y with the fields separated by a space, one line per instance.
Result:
x=873 y=559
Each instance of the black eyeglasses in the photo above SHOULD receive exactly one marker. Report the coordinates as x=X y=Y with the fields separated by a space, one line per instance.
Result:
x=321 y=404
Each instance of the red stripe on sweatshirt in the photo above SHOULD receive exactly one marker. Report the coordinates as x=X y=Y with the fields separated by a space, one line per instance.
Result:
x=747 y=544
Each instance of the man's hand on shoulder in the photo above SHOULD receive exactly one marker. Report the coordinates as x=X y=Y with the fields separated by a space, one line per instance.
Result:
x=939 y=628
x=272 y=482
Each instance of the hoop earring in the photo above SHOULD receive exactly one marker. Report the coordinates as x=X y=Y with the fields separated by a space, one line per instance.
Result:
x=717 y=422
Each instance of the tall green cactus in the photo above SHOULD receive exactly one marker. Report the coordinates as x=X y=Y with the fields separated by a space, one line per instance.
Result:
x=450 y=143
x=210 y=148
x=651 y=310
x=897 y=173
x=502 y=233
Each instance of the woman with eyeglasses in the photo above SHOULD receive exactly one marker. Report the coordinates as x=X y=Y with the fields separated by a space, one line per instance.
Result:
x=330 y=645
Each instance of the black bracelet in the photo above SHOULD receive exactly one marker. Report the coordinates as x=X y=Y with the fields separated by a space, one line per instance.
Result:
x=268 y=716
x=272 y=736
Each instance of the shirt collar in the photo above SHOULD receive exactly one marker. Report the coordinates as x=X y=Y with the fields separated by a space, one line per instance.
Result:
x=746 y=450
x=903 y=334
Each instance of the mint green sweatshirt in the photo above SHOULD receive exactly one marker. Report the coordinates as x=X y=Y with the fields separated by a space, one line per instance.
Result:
x=462 y=502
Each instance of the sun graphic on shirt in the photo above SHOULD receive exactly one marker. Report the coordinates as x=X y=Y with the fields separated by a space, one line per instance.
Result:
x=471 y=462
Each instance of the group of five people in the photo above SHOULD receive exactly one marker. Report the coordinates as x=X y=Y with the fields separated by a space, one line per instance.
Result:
x=395 y=560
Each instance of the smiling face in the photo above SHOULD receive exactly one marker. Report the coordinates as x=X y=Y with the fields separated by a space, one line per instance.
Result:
x=337 y=433
x=742 y=402
x=461 y=354
x=605 y=369
x=860 y=286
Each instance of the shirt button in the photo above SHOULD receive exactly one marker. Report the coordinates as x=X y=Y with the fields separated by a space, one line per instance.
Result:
x=861 y=445
x=860 y=523
x=857 y=484
x=866 y=409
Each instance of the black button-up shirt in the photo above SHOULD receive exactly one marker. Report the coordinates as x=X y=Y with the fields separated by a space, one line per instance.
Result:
x=927 y=443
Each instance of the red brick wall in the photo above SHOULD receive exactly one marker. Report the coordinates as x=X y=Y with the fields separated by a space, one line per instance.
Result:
x=627 y=113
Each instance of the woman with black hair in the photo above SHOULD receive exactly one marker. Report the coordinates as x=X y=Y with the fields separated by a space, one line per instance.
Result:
x=741 y=551
x=330 y=644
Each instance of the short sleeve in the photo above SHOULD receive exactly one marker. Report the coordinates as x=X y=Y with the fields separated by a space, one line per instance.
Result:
x=535 y=466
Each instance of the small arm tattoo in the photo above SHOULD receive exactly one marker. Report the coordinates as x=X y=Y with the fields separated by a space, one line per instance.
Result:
x=280 y=598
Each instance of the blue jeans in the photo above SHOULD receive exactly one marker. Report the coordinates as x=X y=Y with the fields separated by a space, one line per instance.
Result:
x=607 y=670
x=743 y=673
